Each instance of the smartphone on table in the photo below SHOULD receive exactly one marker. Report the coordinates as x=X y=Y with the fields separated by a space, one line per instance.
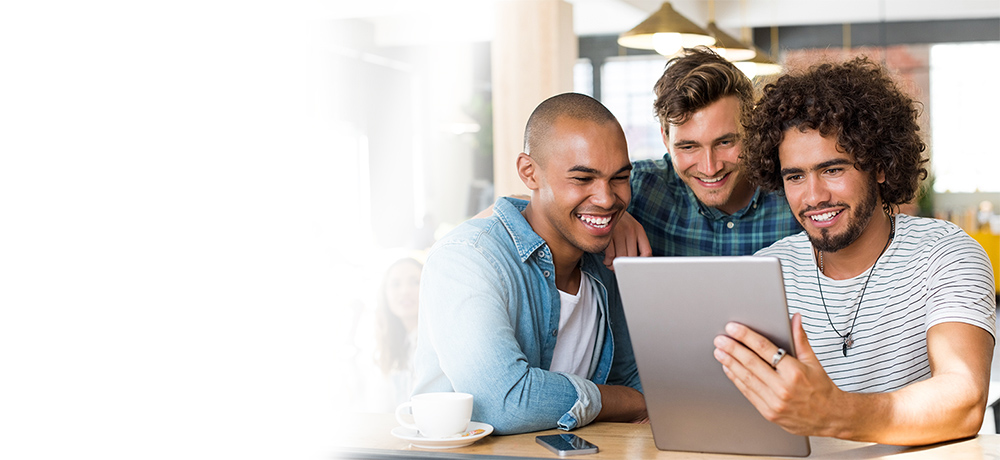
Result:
x=566 y=444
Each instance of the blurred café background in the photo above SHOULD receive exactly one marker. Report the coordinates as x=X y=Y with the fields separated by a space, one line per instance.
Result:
x=213 y=212
x=430 y=98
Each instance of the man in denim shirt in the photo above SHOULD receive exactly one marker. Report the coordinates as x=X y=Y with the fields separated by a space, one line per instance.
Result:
x=517 y=308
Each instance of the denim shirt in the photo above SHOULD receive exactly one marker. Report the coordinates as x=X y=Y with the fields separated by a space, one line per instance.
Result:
x=488 y=320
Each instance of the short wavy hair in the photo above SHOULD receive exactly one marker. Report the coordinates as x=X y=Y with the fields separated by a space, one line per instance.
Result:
x=857 y=102
x=695 y=80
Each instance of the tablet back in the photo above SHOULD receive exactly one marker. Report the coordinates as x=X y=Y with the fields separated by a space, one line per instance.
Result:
x=675 y=306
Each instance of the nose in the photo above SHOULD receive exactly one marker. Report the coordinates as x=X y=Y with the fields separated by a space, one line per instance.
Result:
x=709 y=164
x=816 y=192
x=603 y=194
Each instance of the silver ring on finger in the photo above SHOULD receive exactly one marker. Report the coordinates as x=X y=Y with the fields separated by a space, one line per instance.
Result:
x=777 y=358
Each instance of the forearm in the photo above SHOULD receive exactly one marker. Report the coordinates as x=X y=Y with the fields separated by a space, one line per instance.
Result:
x=801 y=398
x=942 y=408
x=542 y=400
x=949 y=405
x=621 y=404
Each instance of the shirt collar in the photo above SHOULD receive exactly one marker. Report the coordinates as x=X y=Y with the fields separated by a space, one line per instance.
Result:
x=508 y=210
x=527 y=242
x=715 y=214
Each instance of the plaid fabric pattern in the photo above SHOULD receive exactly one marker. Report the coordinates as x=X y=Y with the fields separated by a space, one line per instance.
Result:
x=677 y=224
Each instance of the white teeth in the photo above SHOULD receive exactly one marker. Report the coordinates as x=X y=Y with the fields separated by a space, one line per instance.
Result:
x=710 y=181
x=599 y=222
x=825 y=216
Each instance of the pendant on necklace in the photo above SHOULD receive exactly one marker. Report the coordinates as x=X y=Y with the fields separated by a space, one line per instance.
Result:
x=848 y=342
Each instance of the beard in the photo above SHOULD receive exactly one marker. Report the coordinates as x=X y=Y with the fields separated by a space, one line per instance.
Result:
x=862 y=216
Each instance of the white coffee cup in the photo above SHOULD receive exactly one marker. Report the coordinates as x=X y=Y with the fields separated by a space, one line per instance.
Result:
x=436 y=415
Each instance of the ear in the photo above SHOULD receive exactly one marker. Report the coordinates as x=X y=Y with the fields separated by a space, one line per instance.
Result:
x=663 y=135
x=880 y=176
x=527 y=169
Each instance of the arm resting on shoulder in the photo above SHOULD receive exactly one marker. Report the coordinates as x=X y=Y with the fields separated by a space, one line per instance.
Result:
x=628 y=239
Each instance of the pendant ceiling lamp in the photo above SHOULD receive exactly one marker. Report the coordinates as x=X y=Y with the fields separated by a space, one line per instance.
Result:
x=666 y=31
x=762 y=64
x=729 y=47
x=759 y=65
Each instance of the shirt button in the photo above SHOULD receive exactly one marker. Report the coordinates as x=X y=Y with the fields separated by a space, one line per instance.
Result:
x=730 y=225
x=546 y=273
x=555 y=332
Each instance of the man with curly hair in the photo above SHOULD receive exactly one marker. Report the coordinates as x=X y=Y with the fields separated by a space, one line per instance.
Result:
x=894 y=317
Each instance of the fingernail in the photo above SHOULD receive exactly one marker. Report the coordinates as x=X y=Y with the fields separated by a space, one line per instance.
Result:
x=731 y=328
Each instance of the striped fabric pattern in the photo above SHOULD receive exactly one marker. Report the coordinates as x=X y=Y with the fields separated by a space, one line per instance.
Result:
x=677 y=224
x=932 y=273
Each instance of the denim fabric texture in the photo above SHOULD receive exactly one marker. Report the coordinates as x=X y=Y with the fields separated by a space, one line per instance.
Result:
x=677 y=224
x=489 y=315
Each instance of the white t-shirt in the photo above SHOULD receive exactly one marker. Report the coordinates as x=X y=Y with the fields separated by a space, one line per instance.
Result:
x=577 y=331
x=931 y=273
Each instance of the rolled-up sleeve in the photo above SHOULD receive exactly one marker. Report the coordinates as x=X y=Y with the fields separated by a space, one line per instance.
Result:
x=587 y=406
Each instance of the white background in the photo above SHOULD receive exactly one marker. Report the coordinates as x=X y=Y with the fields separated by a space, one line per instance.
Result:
x=168 y=215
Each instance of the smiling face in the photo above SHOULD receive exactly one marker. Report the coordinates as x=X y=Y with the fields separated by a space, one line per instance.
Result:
x=580 y=185
x=832 y=199
x=705 y=151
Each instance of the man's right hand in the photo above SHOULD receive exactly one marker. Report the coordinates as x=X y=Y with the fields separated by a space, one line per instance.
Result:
x=628 y=239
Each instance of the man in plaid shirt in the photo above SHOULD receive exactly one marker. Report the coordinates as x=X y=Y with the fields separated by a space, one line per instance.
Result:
x=695 y=201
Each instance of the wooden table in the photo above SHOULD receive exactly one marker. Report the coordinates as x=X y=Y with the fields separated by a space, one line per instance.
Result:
x=366 y=436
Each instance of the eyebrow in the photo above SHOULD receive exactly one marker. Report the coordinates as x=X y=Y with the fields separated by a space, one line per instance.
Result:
x=825 y=164
x=587 y=170
x=727 y=136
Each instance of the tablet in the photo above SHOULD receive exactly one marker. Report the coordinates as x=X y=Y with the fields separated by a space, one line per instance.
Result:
x=674 y=307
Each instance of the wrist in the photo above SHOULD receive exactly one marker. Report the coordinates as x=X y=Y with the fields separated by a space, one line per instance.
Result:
x=856 y=416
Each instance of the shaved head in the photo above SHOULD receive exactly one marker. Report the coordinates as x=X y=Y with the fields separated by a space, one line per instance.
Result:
x=572 y=105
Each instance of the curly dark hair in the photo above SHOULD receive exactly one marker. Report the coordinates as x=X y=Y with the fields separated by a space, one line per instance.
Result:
x=857 y=102
x=693 y=81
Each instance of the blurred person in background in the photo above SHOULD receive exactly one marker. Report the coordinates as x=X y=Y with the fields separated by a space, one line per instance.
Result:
x=396 y=328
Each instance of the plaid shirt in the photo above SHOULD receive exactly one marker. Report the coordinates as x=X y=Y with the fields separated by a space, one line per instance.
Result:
x=677 y=224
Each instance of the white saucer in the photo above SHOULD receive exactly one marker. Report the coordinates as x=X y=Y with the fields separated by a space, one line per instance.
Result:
x=476 y=432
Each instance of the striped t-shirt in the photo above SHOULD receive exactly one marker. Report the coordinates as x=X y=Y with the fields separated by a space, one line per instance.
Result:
x=931 y=273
